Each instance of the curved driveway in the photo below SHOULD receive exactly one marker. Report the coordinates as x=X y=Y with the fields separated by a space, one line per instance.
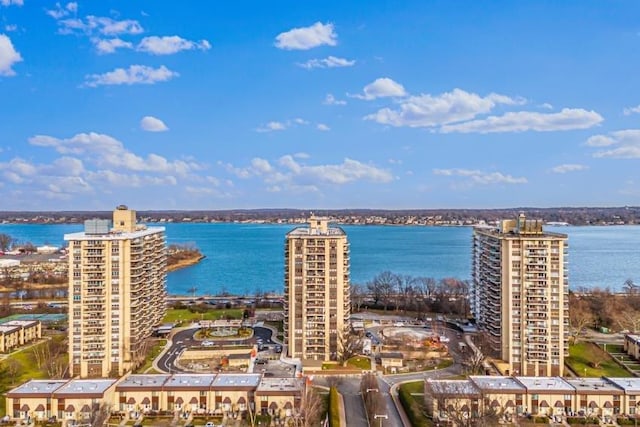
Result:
x=183 y=339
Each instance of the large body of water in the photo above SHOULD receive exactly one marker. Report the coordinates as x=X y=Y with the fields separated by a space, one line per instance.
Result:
x=243 y=258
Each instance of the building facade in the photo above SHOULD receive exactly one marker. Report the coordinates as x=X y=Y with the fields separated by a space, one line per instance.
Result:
x=520 y=295
x=230 y=396
x=505 y=397
x=117 y=293
x=317 y=290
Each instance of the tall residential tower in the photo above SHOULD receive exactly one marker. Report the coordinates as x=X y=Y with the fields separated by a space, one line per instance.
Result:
x=316 y=286
x=117 y=293
x=520 y=295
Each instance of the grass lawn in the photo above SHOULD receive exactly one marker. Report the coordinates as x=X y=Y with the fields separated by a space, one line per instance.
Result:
x=155 y=351
x=583 y=356
x=615 y=348
x=175 y=315
x=25 y=369
x=359 y=362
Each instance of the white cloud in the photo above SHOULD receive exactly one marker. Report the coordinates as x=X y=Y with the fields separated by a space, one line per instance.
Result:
x=569 y=167
x=135 y=74
x=623 y=144
x=152 y=124
x=331 y=100
x=11 y=2
x=8 y=56
x=322 y=127
x=60 y=12
x=600 y=141
x=348 y=171
x=631 y=110
x=480 y=177
x=381 y=88
x=104 y=46
x=278 y=125
x=272 y=126
x=291 y=174
x=546 y=106
x=10 y=28
x=106 y=151
x=169 y=45
x=305 y=38
x=328 y=62
x=94 y=24
x=428 y=111
x=522 y=121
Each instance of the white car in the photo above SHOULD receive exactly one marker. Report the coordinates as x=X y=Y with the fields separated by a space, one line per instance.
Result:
x=444 y=338
x=207 y=344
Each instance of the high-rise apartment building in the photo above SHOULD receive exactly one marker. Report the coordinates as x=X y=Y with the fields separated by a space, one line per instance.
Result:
x=316 y=283
x=117 y=293
x=520 y=295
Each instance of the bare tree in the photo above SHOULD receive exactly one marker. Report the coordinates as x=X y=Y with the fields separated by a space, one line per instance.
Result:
x=406 y=292
x=358 y=294
x=5 y=242
x=387 y=284
x=100 y=413
x=311 y=408
x=13 y=367
x=374 y=402
x=349 y=345
x=375 y=291
x=580 y=315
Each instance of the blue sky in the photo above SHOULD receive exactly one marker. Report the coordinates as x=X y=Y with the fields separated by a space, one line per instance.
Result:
x=328 y=104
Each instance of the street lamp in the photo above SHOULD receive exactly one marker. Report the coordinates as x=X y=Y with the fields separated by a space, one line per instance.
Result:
x=385 y=416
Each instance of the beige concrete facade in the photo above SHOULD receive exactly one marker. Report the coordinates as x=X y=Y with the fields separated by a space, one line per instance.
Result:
x=504 y=397
x=317 y=290
x=226 y=395
x=117 y=293
x=17 y=333
x=520 y=295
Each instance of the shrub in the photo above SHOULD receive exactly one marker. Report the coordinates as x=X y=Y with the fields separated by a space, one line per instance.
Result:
x=411 y=407
x=334 y=407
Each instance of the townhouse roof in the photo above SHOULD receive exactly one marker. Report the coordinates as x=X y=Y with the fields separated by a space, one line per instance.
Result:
x=453 y=387
x=279 y=386
x=84 y=387
x=231 y=381
x=594 y=386
x=629 y=385
x=21 y=323
x=142 y=382
x=189 y=381
x=631 y=337
x=497 y=384
x=36 y=388
x=7 y=329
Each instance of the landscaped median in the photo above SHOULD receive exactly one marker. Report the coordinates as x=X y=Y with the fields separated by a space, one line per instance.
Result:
x=334 y=407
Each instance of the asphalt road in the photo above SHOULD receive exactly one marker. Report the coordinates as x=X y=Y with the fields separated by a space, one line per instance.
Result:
x=184 y=339
x=180 y=341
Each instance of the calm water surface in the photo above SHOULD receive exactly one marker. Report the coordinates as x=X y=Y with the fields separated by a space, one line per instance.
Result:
x=243 y=258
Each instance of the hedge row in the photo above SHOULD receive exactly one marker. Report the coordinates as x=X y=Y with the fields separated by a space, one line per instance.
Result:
x=334 y=407
x=412 y=408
